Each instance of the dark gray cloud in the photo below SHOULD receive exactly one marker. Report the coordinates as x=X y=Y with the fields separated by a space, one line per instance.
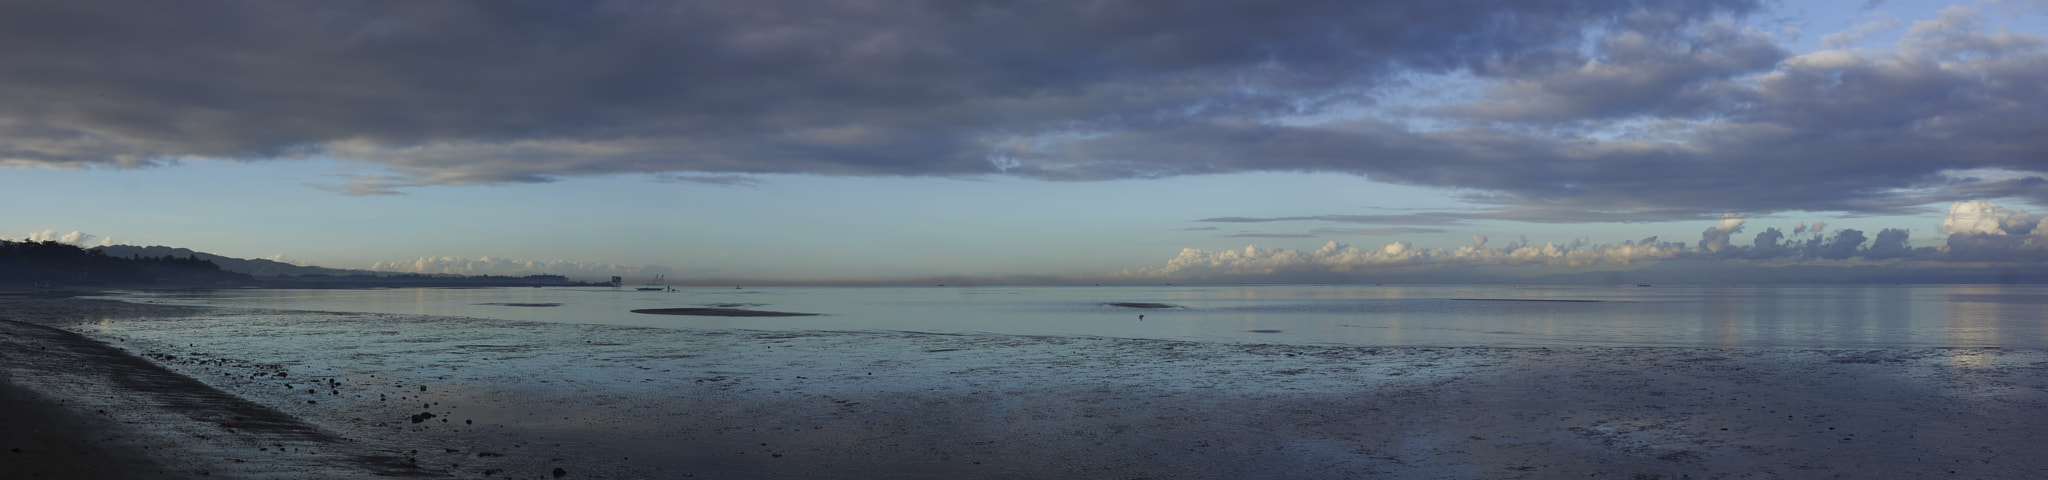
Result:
x=1598 y=110
x=465 y=92
x=1656 y=64
x=1319 y=232
x=1425 y=218
x=1890 y=243
x=1531 y=214
x=699 y=179
x=1254 y=219
x=1866 y=132
x=361 y=184
x=359 y=188
x=1996 y=248
x=1267 y=235
x=1376 y=231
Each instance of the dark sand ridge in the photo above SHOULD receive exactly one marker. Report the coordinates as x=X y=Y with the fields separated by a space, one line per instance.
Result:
x=619 y=402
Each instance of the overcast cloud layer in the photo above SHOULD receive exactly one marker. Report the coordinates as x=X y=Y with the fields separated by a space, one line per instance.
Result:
x=1599 y=110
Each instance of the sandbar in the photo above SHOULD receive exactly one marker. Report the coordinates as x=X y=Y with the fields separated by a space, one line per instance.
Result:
x=721 y=312
x=1142 y=305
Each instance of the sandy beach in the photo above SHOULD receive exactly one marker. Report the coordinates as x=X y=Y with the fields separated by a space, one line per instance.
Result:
x=240 y=393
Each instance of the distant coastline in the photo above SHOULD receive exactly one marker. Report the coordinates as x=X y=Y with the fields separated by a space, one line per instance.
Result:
x=52 y=268
x=419 y=280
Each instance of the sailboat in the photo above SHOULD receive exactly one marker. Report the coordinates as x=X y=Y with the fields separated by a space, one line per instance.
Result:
x=654 y=286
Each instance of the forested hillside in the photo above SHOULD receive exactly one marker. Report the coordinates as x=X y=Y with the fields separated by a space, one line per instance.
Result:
x=62 y=263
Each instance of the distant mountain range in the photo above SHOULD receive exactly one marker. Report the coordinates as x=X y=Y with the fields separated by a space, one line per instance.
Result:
x=257 y=267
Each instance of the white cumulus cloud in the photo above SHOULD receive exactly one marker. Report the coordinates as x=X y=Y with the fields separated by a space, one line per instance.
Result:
x=281 y=258
x=514 y=267
x=1338 y=257
x=1978 y=216
x=1980 y=231
x=1715 y=240
x=1985 y=231
x=77 y=238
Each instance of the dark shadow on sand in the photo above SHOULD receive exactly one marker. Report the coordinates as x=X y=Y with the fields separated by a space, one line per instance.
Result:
x=1142 y=305
x=1529 y=300
x=721 y=312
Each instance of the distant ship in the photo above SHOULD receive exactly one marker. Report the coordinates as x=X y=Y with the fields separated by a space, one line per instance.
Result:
x=654 y=286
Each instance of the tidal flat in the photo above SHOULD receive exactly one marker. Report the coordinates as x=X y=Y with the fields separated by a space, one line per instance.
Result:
x=466 y=397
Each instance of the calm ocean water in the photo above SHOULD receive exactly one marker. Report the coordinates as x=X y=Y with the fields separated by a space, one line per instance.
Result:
x=1823 y=316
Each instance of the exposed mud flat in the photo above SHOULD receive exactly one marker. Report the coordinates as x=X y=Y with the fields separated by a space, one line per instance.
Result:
x=470 y=397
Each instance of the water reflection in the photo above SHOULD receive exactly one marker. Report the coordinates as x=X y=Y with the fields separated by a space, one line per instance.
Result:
x=1893 y=312
x=1972 y=321
x=1721 y=321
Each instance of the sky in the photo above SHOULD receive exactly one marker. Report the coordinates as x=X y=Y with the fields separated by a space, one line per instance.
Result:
x=1044 y=141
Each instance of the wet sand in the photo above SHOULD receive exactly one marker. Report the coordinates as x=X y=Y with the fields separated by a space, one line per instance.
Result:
x=518 y=400
x=78 y=408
